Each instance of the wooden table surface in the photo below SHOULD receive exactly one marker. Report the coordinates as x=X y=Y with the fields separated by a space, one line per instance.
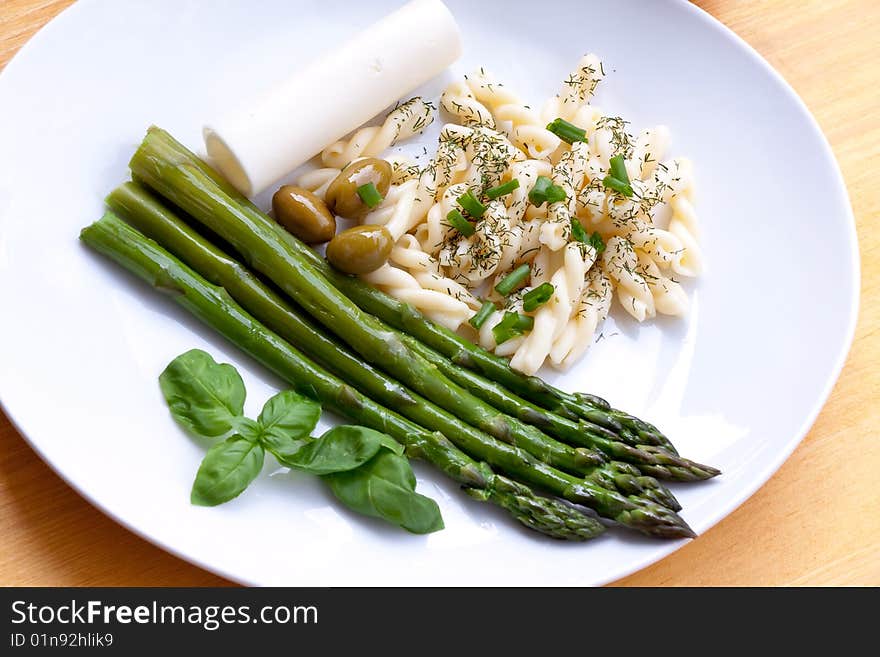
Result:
x=816 y=522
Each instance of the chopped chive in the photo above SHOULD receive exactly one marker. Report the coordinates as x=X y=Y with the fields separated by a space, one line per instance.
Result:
x=618 y=169
x=513 y=280
x=597 y=242
x=617 y=185
x=482 y=315
x=555 y=194
x=538 y=193
x=502 y=190
x=617 y=178
x=538 y=297
x=511 y=325
x=471 y=205
x=577 y=231
x=567 y=132
x=369 y=195
x=545 y=191
x=456 y=220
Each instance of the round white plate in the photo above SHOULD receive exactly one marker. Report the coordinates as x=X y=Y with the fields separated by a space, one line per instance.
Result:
x=736 y=385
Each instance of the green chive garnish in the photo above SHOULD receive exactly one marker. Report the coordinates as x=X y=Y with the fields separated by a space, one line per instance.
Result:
x=471 y=205
x=538 y=193
x=597 y=242
x=511 y=325
x=502 y=190
x=545 y=191
x=617 y=185
x=577 y=231
x=513 y=280
x=538 y=297
x=456 y=220
x=618 y=169
x=555 y=194
x=482 y=314
x=617 y=178
x=567 y=132
x=369 y=195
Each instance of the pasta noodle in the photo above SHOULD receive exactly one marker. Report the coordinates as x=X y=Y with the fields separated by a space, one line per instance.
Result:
x=669 y=297
x=593 y=307
x=552 y=317
x=402 y=122
x=577 y=90
x=598 y=243
x=440 y=307
x=569 y=174
x=620 y=265
x=318 y=180
x=459 y=100
x=524 y=126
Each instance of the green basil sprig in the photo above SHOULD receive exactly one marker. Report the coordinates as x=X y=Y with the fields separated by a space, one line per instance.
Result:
x=204 y=396
x=286 y=422
x=227 y=469
x=341 y=449
x=385 y=488
x=366 y=469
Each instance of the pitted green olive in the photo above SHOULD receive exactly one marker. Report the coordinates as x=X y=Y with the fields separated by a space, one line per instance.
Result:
x=361 y=249
x=342 y=197
x=303 y=214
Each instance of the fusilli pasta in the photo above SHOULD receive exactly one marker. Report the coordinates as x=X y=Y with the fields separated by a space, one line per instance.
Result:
x=602 y=241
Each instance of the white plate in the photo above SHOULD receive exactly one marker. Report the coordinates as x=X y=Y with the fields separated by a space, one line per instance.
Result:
x=737 y=385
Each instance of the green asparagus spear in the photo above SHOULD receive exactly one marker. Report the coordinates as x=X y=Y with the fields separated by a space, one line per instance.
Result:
x=213 y=306
x=253 y=236
x=579 y=433
x=151 y=217
x=402 y=316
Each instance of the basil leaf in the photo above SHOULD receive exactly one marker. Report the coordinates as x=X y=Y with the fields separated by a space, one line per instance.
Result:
x=342 y=448
x=204 y=396
x=227 y=469
x=389 y=443
x=415 y=513
x=286 y=420
x=393 y=468
x=384 y=487
x=248 y=429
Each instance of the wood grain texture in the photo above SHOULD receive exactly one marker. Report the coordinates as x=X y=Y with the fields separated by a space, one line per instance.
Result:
x=816 y=522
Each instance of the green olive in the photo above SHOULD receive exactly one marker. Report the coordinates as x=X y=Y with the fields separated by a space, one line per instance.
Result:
x=361 y=249
x=303 y=214
x=342 y=197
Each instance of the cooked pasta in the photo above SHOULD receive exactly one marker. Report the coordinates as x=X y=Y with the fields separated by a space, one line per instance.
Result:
x=593 y=307
x=318 y=180
x=569 y=174
x=537 y=200
x=522 y=124
x=577 y=90
x=620 y=264
x=551 y=318
x=459 y=100
x=404 y=121
x=441 y=307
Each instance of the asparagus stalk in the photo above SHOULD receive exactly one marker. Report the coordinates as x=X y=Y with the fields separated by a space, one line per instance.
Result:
x=151 y=217
x=168 y=167
x=403 y=317
x=648 y=458
x=213 y=305
x=253 y=235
